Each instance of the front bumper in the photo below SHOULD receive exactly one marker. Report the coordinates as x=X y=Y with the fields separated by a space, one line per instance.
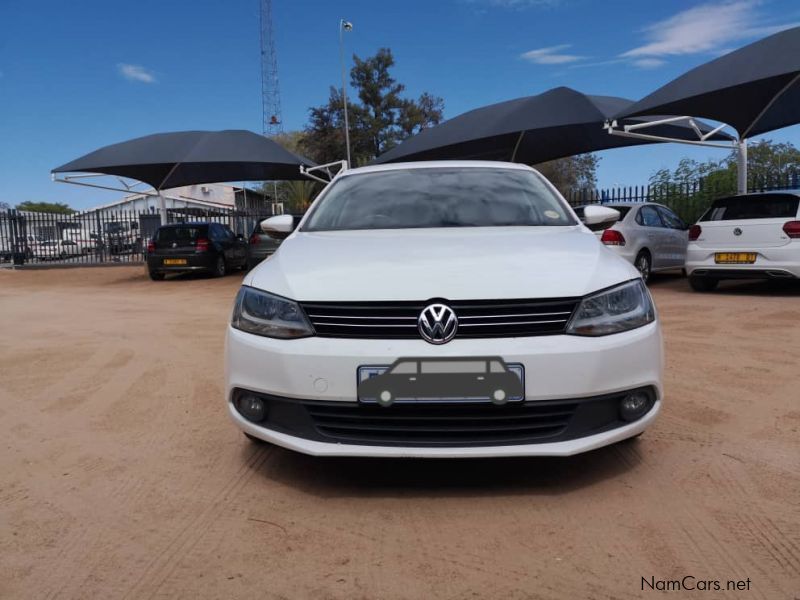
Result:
x=781 y=262
x=558 y=367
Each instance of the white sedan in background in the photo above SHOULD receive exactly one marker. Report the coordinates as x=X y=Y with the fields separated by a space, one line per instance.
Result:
x=648 y=235
x=751 y=236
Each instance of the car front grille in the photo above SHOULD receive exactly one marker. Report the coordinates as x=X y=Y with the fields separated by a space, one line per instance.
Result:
x=476 y=318
x=445 y=425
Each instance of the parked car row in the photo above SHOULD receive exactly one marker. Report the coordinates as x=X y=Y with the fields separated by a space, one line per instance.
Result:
x=749 y=236
x=208 y=247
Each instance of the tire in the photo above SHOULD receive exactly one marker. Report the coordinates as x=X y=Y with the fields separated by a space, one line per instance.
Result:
x=703 y=284
x=643 y=264
x=219 y=267
x=155 y=275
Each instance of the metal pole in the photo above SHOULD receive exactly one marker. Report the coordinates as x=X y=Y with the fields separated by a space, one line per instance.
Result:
x=162 y=208
x=342 y=26
x=741 y=166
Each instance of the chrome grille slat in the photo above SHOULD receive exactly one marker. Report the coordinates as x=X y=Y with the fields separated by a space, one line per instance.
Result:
x=477 y=318
x=549 y=314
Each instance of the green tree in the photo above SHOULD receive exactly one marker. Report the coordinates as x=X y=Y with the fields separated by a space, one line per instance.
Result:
x=380 y=117
x=572 y=174
x=49 y=207
x=692 y=186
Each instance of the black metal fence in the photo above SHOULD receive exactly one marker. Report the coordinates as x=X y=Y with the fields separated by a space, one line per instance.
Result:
x=99 y=236
x=689 y=199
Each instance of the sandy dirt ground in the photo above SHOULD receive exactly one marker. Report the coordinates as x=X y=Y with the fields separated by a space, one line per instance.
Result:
x=121 y=476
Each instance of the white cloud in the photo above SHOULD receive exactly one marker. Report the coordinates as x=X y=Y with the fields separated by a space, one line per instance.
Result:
x=551 y=55
x=705 y=28
x=648 y=63
x=136 y=73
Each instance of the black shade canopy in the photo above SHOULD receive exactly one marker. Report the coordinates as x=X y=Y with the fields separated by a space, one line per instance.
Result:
x=168 y=160
x=560 y=122
x=754 y=89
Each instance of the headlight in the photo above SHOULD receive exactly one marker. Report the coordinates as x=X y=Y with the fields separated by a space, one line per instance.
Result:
x=620 y=308
x=265 y=314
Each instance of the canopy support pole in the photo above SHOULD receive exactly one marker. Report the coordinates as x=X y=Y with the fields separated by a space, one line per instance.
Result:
x=739 y=146
x=741 y=166
x=516 y=146
x=162 y=208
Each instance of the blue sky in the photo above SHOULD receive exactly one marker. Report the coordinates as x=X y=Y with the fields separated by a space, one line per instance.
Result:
x=78 y=75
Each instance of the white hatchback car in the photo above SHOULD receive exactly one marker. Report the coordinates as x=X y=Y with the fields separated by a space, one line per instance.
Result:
x=751 y=236
x=426 y=277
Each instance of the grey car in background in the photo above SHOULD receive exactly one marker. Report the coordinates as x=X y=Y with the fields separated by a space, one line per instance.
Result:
x=263 y=245
x=648 y=235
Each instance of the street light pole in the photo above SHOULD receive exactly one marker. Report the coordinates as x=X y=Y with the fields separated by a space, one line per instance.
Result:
x=344 y=26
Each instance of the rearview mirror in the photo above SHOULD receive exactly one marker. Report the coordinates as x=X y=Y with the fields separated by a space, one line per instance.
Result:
x=278 y=226
x=593 y=214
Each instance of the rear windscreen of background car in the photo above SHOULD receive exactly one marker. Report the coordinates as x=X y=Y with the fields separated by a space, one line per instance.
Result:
x=180 y=234
x=755 y=206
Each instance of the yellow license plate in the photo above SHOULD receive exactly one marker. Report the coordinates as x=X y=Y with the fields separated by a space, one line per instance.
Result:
x=174 y=261
x=735 y=258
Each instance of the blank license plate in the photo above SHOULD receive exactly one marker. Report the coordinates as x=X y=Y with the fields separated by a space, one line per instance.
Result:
x=174 y=261
x=735 y=258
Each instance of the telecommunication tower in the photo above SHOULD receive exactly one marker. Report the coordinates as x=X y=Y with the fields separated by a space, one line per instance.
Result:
x=270 y=89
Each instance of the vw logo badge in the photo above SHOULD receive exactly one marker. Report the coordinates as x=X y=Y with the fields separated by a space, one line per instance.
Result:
x=437 y=323
x=737 y=231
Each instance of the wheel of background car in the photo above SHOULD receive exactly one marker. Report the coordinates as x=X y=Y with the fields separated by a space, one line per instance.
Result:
x=385 y=398
x=642 y=264
x=703 y=284
x=155 y=275
x=219 y=267
x=499 y=396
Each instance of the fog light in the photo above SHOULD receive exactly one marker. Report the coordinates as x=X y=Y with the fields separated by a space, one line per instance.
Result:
x=634 y=406
x=251 y=407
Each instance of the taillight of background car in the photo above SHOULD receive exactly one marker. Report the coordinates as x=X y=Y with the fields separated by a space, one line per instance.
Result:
x=254 y=239
x=151 y=247
x=694 y=232
x=612 y=237
x=201 y=245
x=792 y=229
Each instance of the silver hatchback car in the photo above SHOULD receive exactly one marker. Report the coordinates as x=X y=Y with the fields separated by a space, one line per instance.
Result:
x=648 y=235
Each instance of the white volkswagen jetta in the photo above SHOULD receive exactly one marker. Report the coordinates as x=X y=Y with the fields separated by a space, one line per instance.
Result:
x=441 y=280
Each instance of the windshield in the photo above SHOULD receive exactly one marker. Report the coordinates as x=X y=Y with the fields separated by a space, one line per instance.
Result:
x=753 y=206
x=438 y=197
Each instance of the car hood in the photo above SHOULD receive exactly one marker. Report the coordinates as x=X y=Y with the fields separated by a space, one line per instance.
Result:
x=452 y=263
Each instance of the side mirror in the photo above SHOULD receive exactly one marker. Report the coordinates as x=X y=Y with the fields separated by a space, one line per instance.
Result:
x=279 y=226
x=593 y=214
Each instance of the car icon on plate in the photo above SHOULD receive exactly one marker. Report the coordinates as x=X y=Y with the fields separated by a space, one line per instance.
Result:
x=472 y=379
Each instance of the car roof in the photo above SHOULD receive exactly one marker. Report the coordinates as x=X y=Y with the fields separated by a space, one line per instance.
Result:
x=438 y=164
x=192 y=224
x=765 y=192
